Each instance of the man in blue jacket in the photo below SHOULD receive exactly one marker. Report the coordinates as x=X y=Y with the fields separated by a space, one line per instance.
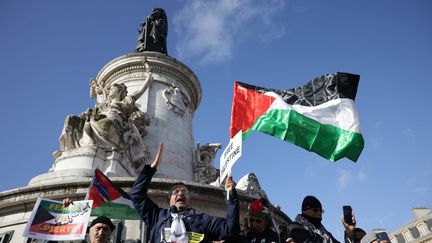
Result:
x=179 y=223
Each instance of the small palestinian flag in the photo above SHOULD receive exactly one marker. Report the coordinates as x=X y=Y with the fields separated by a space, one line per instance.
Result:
x=320 y=116
x=109 y=200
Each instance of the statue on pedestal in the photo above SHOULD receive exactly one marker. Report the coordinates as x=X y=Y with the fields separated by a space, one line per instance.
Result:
x=153 y=33
x=114 y=125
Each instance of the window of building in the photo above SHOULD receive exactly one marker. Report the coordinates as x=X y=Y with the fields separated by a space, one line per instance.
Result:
x=422 y=229
x=407 y=235
x=6 y=237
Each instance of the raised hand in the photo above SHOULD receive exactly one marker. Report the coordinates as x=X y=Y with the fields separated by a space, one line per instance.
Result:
x=158 y=157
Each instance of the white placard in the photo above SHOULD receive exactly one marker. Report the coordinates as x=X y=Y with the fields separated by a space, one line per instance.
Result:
x=230 y=155
x=50 y=220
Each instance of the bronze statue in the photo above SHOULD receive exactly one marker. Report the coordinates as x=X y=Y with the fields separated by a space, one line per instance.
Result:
x=153 y=33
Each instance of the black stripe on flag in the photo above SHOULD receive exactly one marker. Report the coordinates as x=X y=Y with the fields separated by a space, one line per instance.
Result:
x=317 y=91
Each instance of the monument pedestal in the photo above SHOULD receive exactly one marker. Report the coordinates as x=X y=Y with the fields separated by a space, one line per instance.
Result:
x=16 y=205
x=165 y=110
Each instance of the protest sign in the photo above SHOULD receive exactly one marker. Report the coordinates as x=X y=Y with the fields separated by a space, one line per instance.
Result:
x=50 y=220
x=230 y=155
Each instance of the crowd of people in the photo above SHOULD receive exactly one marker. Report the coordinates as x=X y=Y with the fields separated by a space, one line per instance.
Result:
x=180 y=223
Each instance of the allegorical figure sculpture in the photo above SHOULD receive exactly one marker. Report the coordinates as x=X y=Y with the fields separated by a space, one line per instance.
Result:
x=153 y=33
x=175 y=100
x=114 y=125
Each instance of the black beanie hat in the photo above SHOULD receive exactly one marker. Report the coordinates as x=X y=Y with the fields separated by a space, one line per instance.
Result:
x=310 y=202
x=103 y=220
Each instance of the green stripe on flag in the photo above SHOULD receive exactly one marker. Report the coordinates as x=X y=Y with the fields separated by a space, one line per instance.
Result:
x=328 y=141
x=116 y=211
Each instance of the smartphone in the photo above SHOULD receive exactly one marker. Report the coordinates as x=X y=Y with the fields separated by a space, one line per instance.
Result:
x=347 y=214
x=381 y=236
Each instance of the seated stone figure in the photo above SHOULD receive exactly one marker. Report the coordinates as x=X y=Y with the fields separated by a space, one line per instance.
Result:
x=115 y=125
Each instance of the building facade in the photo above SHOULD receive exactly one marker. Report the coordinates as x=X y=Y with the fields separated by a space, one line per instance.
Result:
x=417 y=231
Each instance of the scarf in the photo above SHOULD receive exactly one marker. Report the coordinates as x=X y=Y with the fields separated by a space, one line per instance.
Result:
x=314 y=228
x=178 y=229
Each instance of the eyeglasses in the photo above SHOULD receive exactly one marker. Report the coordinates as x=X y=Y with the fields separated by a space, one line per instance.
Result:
x=318 y=210
x=258 y=221
x=178 y=190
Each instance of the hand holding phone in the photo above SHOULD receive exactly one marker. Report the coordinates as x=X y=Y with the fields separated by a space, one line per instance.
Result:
x=347 y=214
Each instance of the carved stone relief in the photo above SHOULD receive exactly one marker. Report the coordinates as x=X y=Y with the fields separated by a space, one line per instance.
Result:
x=250 y=184
x=175 y=100
x=204 y=170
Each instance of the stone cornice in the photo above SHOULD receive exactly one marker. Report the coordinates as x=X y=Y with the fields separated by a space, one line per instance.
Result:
x=23 y=199
x=133 y=64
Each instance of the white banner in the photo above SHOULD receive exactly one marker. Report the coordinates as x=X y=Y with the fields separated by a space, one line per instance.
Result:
x=51 y=221
x=230 y=155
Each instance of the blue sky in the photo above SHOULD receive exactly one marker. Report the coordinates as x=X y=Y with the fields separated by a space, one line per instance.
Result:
x=49 y=50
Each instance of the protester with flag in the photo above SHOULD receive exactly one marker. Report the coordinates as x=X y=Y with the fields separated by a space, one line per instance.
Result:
x=320 y=116
x=179 y=223
x=109 y=202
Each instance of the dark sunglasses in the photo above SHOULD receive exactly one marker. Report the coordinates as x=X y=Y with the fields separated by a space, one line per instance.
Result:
x=318 y=210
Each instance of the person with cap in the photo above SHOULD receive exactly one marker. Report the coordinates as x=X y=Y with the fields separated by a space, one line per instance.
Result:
x=310 y=219
x=100 y=229
x=179 y=222
x=259 y=224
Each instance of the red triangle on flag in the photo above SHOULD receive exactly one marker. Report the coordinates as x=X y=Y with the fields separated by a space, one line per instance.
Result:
x=247 y=106
x=101 y=190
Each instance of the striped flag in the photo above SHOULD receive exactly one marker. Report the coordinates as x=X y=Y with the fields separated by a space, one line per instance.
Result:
x=320 y=116
x=108 y=200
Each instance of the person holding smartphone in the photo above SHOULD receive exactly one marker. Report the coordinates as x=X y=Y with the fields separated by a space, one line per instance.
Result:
x=310 y=219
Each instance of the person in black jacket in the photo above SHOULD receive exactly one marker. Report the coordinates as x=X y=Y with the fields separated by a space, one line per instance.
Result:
x=259 y=224
x=308 y=225
x=179 y=223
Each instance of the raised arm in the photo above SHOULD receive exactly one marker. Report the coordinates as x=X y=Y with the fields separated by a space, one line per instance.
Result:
x=146 y=82
x=221 y=228
x=147 y=209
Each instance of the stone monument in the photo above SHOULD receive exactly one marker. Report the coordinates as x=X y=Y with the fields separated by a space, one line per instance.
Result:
x=142 y=99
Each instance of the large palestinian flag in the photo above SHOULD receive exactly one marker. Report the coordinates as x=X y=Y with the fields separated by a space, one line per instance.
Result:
x=320 y=116
x=109 y=200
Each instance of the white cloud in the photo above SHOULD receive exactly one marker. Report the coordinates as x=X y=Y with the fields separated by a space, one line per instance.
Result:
x=209 y=30
x=345 y=177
